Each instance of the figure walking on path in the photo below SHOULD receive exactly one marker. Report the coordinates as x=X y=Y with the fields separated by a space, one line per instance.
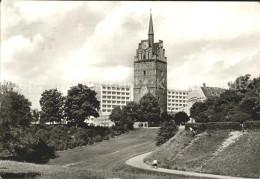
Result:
x=154 y=164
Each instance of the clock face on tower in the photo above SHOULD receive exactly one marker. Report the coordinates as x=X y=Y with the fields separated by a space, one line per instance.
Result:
x=144 y=45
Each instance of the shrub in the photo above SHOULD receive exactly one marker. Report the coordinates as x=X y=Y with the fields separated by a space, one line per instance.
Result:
x=223 y=125
x=200 y=127
x=252 y=125
x=167 y=131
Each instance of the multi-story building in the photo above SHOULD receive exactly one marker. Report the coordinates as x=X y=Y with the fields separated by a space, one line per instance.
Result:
x=111 y=95
x=176 y=100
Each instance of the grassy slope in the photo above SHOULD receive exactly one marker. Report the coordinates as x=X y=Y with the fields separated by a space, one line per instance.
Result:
x=111 y=153
x=89 y=160
x=183 y=152
x=241 y=158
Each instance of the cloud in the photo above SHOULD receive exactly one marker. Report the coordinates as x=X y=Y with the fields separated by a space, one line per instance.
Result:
x=19 y=44
x=210 y=42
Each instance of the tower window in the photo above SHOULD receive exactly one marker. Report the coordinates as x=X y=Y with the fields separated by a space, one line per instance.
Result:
x=144 y=73
x=143 y=56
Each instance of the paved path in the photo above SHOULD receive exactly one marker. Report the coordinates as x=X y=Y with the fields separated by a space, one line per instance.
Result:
x=137 y=162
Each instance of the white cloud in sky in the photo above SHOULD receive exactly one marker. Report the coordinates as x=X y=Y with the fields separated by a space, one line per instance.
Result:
x=212 y=42
x=19 y=44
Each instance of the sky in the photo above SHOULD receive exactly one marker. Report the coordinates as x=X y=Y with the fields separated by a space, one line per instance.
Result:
x=58 y=44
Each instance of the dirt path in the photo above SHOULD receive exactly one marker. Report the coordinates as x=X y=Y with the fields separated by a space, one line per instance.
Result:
x=137 y=162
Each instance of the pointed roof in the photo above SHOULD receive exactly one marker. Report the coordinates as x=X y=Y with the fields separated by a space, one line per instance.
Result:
x=150 y=32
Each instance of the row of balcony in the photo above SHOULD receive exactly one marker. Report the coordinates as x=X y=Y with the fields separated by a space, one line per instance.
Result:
x=115 y=88
x=115 y=93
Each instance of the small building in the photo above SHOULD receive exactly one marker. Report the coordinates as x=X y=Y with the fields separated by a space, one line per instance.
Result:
x=200 y=94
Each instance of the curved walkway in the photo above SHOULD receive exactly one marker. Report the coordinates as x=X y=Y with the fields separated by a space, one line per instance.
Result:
x=137 y=162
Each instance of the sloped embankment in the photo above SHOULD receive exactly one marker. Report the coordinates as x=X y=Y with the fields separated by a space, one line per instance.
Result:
x=223 y=152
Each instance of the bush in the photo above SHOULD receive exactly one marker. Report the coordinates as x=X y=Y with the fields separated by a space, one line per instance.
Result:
x=167 y=131
x=223 y=125
x=199 y=127
x=252 y=125
x=181 y=118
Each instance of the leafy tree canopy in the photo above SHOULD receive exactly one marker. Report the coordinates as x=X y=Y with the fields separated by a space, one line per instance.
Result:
x=181 y=118
x=81 y=103
x=150 y=109
x=52 y=103
x=240 y=103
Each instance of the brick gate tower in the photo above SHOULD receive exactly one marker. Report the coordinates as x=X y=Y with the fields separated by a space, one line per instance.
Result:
x=150 y=69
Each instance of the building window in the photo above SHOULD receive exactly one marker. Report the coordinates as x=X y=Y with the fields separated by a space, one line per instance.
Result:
x=144 y=73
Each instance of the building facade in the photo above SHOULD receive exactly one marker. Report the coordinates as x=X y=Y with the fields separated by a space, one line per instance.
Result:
x=176 y=100
x=200 y=94
x=150 y=69
x=111 y=95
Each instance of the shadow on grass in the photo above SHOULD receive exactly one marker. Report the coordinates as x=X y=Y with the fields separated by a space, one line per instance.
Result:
x=19 y=175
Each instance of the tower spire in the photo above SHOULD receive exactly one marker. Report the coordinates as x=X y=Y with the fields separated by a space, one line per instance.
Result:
x=150 y=31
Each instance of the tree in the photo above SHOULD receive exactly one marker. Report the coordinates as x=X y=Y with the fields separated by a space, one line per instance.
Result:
x=166 y=117
x=150 y=109
x=81 y=103
x=167 y=130
x=15 y=109
x=116 y=115
x=15 y=116
x=199 y=112
x=132 y=111
x=181 y=118
x=52 y=103
x=35 y=115
x=122 y=118
x=241 y=83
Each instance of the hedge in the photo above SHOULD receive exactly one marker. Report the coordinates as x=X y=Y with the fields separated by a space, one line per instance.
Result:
x=252 y=125
x=224 y=125
x=201 y=127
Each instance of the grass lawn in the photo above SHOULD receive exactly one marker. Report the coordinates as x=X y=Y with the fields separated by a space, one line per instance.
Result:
x=101 y=160
x=109 y=154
